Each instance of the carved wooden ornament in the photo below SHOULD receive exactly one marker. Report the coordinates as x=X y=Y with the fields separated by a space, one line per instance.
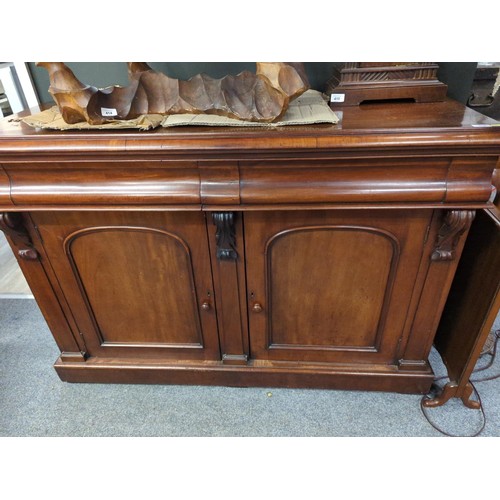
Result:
x=455 y=224
x=11 y=224
x=262 y=96
x=225 y=235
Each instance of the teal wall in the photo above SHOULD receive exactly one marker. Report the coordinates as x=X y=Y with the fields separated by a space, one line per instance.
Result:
x=457 y=75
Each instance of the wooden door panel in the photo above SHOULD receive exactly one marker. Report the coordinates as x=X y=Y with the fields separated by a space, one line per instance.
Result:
x=340 y=297
x=331 y=286
x=135 y=282
x=123 y=293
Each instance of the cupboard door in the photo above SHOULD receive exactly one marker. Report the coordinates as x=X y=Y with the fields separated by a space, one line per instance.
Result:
x=137 y=284
x=331 y=286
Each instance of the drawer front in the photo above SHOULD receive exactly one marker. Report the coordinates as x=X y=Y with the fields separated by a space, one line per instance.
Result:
x=105 y=183
x=266 y=183
x=384 y=180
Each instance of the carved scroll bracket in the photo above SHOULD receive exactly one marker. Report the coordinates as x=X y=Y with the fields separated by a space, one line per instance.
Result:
x=456 y=223
x=12 y=225
x=225 y=236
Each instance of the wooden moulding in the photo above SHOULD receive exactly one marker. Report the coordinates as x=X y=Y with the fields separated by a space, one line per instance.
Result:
x=373 y=377
x=262 y=96
x=250 y=183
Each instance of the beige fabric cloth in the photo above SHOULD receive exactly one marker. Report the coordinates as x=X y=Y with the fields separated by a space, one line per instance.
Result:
x=52 y=119
x=310 y=108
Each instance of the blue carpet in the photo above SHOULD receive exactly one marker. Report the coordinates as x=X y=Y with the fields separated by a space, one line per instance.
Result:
x=34 y=402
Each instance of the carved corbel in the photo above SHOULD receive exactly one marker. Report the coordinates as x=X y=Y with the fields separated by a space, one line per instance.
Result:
x=225 y=236
x=12 y=225
x=456 y=223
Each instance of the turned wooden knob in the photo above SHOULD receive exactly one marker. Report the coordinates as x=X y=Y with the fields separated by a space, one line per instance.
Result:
x=257 y=308
x=206 y=306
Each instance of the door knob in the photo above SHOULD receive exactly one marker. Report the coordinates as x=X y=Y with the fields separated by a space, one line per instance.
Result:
x=206 y=306
x=257 y=308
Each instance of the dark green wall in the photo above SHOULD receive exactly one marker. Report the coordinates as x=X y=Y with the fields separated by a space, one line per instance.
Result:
x=458 y=76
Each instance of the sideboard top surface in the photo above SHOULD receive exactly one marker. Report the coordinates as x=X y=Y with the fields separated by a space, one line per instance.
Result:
x=377 y=125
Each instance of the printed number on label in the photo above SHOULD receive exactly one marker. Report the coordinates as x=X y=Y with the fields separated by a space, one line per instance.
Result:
x=337 y=98
x=108 y=112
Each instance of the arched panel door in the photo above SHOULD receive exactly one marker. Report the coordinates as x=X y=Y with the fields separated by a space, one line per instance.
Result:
x=137 y=284
x=331 y=286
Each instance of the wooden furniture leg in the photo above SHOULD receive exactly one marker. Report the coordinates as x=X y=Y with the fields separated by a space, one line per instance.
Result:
x=471 y=309
x=454 y=390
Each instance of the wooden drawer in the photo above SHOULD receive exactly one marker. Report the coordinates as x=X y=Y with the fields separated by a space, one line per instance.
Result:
x=389 y=180
x=191 y=184
x=105 y=183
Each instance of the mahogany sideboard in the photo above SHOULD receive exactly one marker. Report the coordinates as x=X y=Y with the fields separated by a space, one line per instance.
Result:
x=317 y=256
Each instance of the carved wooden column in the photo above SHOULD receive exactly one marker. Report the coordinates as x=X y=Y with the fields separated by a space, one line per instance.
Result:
x=228 y=257
x=447 y=237
x=49 y=300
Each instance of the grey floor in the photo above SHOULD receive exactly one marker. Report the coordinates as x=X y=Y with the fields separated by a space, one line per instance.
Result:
x=34 y=402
